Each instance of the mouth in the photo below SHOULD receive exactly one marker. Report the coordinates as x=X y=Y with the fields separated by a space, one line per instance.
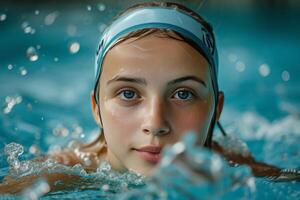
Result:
x=151 y=154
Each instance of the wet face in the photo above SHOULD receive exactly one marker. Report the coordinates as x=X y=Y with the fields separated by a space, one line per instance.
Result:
x=152 y=91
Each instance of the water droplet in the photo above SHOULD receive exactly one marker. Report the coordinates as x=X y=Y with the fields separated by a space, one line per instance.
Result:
x=71 y=30
x=33 y=149
x=61 y=131
x=36 y=12
x=89 y=8
x=29 y=106
x=24 y=24
x=32 y=31
x=102 y=27
x=178 y=147
x=23 y=71
x=10 y=67
x=232 y=57
x=105 y=187
x=101 y=7
x=240 y=66
x=285 y=75
x=74 y=47
x=32 y=54
x=10 y=102
x=264 y=70
x=27 y=29
x=36 y=190
x=3 y=17
x=50 y=18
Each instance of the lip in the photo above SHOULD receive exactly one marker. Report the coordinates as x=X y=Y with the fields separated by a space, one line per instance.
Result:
x=150 y=154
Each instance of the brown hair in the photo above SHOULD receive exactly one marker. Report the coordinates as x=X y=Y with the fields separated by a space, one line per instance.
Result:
x=162 y=32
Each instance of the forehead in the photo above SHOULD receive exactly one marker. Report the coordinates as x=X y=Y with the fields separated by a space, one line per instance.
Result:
x=156 y=55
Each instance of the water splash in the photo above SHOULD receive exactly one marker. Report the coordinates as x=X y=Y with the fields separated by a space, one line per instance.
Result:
x=190 y=172
x=233 y=144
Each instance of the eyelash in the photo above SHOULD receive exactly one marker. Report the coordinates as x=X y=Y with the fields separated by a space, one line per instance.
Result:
x=180 y=90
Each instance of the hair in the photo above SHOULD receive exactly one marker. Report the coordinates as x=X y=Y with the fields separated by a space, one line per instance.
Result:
x=162 y=32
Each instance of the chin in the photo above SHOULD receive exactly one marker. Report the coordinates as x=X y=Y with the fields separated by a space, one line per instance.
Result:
x=145 y=170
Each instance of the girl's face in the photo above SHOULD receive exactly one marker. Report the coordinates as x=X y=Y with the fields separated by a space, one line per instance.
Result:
x=152 y=91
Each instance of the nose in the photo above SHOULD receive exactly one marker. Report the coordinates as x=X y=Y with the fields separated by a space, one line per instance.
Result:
x=155 y=121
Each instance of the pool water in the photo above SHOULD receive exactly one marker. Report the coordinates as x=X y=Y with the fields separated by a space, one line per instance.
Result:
x=46 y=75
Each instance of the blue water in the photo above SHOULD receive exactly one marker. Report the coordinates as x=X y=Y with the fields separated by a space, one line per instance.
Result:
x=45 y=83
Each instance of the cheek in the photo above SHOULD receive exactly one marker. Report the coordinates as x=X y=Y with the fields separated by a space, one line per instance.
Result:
x=196 y=118
x=118 y=120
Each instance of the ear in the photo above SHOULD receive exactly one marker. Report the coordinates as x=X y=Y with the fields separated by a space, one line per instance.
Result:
x=95 y=110
x=220 y=105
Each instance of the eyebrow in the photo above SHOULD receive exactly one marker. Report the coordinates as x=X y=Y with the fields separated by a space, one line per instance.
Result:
x=143 y=81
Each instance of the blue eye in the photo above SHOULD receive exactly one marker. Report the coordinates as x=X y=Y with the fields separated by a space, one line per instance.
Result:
x=128 y=94
x=184 y=94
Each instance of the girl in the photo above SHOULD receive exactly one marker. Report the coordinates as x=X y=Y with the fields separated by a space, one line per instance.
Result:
x=155 y=80
x=156 y=75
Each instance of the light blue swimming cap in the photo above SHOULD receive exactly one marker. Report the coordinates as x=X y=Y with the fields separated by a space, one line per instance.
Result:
x=162 y=18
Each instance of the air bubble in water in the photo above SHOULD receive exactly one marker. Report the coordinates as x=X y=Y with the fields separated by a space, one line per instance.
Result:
x=56 y=59
x=36 y=12
x=32 y=54
x=23 y=71
x=50 y=18
x=74 y=47
x=3 y=17
x=101 y=7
